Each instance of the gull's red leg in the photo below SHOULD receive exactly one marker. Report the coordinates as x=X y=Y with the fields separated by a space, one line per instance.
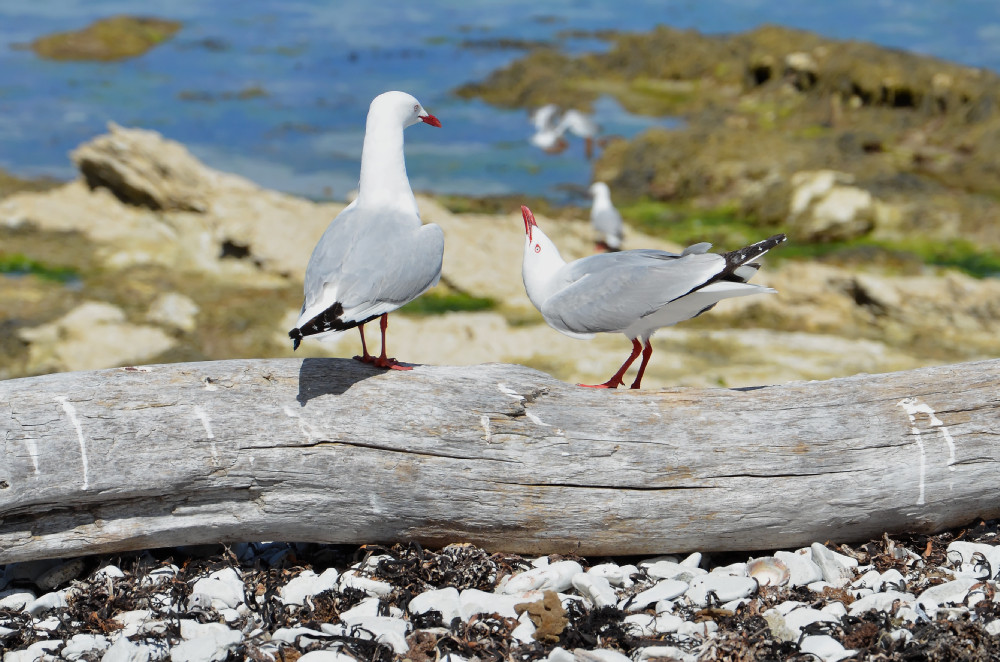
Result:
x=646 y=353
x=366 y=357
x=382 y=361
x=616 y=379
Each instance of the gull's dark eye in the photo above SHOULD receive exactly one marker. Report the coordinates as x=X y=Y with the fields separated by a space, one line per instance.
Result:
x=416 y=108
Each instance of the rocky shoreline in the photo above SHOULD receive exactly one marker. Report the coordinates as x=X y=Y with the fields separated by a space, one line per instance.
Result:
x=153 y=257
x=916 y=598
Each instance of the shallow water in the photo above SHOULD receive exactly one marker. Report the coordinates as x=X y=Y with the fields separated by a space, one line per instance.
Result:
x=320 y=63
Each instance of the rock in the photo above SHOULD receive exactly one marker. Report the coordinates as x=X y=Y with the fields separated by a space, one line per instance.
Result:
x=664 y=653
x=879 y=601
x=825 y=647
x=823 y=208
x=174 y=311
x=672 y=570
x=82 y=644
x=113 y=38
x=124 y=650
x=60 y=574
x=667 y=589
x=35 y=651
x=47 y=602
x=719 y=587
x=599 y=655
x=93 y=335
x=143 y=168
x=835 y=571
x=298 y=636
x=788 y=627
x=224 y=587
x=801 y=568
x=326 y=656
x=15 y=599
x=594 y=588
x=556 y=577
x=474 y=601
x=445 y=601
x=351 y=579
x=613 y=573
x=952 y=592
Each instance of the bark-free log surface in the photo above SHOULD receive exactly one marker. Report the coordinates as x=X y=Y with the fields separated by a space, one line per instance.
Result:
x=331 y=450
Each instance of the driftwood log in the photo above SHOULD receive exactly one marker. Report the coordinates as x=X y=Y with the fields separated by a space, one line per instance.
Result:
x=330 y=450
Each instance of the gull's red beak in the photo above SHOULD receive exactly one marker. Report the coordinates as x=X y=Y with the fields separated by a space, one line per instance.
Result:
x=529 y=221
x=430 y=119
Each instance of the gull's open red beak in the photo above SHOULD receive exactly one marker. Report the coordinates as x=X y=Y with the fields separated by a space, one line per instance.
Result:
x=430 y=119
x=529 y=221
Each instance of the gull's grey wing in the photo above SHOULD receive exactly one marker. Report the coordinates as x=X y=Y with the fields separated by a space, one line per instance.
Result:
x=609 y=292
x=372 y=263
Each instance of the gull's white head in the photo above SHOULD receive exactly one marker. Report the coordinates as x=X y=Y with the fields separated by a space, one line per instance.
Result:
x=599 y=190
x=402 y=107
x=541 y=261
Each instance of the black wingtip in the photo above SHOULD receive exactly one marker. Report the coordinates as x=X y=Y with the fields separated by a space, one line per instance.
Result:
x=296 y=336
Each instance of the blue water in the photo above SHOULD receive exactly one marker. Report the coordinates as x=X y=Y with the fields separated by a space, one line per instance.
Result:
x=322 y=61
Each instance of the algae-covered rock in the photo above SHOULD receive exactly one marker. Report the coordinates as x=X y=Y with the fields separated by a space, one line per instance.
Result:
x=114 y=38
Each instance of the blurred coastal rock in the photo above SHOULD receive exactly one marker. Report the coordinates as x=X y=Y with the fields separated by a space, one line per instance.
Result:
x=174 y=310
x=93 y=335
x=825 y=207
x=147 y=200
x=114 y=38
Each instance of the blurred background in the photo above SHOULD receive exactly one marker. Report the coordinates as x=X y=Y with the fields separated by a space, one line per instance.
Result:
x=869 y=132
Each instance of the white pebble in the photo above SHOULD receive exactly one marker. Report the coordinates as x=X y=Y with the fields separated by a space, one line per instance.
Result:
x=835 y=570
x=835 y=608
x=993 y=627
x=613 y=573
x=692 y=629
x=824 y=647
x=693 y=560
x=297 y=636
x=326 y=656
x=600 y=655
x=893 y=579
x=16 y=599
x=724 y=587
x=525 y=630
x=672 y=570
x=870 y=580
x=556 y=577
x=797 y=619
x=224 y=587
x=364 y=609
x=473 y=601
x=444 y=600
x=386 y=630
x=125 y=651
x=801 y=568
x=952 y=592
x=109 y=571
x=159 y=575
x=55 y=600
x=595 y=589
x=668 y=589
x=879 y=601
x=351 y=579
x=560 y=654
x=665 y=653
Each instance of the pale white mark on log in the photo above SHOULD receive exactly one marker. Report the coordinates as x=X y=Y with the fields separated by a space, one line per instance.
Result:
x=913 y=407
x=484 y=420
x=306 y=429
x=534 y=419
x=71 y=413
x=202 y=416
x=507 y=391
x=375 y=503
x=33 y=453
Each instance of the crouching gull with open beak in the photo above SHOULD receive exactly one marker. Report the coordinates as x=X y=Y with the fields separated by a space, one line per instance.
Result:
x=376 y=255
x=633 y=292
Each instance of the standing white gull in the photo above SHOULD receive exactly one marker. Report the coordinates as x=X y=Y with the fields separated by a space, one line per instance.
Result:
x=632 y=292
x=605 y=218
x=375 y=256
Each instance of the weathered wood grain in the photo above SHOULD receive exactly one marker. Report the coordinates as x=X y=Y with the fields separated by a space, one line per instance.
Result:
x=330 y=450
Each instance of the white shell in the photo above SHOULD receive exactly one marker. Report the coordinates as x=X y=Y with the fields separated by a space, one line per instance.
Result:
x=768 y=571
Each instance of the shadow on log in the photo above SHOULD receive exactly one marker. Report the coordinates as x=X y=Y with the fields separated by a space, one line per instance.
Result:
x=508 y=458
